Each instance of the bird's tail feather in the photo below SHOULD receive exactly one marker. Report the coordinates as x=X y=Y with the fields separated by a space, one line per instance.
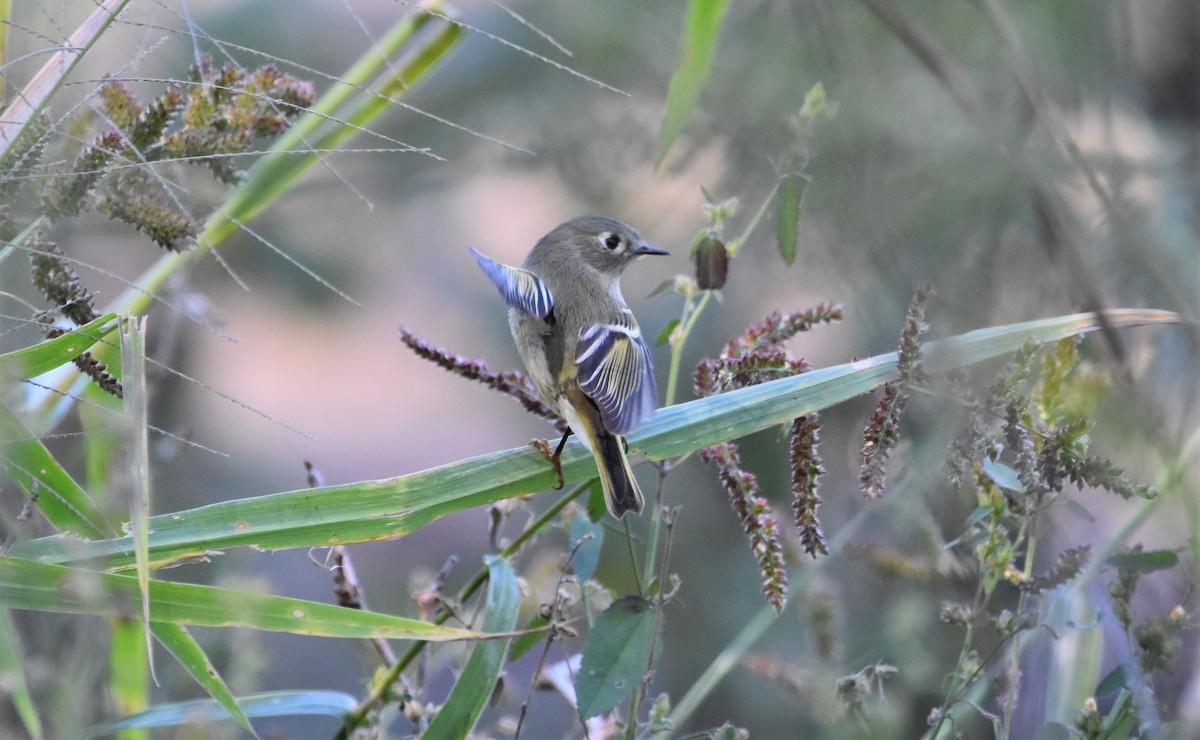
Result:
x=621 y=492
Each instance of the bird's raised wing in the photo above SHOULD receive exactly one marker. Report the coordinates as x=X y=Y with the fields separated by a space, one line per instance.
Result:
x=520 y=288
x=613 y=367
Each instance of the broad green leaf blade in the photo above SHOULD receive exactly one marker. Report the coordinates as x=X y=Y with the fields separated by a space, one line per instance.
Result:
x=184 y=648
x=699 y=45
x=1113 y=681
x=59 y=498
x=787 y=215
x=1145 y=562
x=12 y=665
x=616 y=656
x=43 y=357
x=586 y=539
x=54 y=588
x=128 y=665
x=470 y=694
x=271 y=704
x=376 y=510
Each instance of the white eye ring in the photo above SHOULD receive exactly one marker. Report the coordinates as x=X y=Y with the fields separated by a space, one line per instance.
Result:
x=611 y=241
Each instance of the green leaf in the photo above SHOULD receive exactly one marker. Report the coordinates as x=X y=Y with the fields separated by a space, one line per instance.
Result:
x=980 y=513
x=666 y=286
x=272 y=704
x=596 y=507
x=35 y=96
x=384 y=509
x=526 y=642
x=616 y=656
x=407 y=53
x=54 y=588
x=31 y=466
x=699 y=44
x=1003 y=475
x=1145 y=562
x=586 y=539
x=128 y=665
x=137 y=456
x=1121 y=721
x=188 y=653
x=1113 y=681
x=12 y=666
x=787 y=215
x=43 y=357
x=664 y=336
x=1080 y=510
x=471 y=692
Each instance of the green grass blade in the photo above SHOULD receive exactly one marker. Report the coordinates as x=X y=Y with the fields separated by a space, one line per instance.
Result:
x=42 y=357
x=37 y=93
x=55 y=588
x=376 y=510
x=137 y=457
x=271 y=176
x=12 y=666
x=474 y=686
x=59 y=498
x=271 y=704
x=129 y=668
x=699 y=45
x=280 y=167
x=184 y=648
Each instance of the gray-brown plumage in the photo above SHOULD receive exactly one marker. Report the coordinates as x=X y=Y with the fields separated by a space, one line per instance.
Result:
x=580 y=343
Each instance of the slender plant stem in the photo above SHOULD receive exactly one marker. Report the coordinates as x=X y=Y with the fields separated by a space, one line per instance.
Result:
x=380 y=688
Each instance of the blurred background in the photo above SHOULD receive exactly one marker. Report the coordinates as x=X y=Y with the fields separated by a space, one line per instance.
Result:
x=916 y=180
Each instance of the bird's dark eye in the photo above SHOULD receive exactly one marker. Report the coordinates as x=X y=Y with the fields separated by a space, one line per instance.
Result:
x=612 y=241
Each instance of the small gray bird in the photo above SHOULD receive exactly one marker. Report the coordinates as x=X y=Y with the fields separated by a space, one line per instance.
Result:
x=580 y=342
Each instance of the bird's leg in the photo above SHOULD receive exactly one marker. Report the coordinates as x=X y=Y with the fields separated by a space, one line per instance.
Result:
x=562 y=443
x=543 y=447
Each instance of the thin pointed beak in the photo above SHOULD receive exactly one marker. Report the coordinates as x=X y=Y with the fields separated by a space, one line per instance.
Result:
x=644 y=248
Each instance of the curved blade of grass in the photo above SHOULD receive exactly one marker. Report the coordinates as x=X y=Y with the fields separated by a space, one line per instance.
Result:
x=270 y=704
x=59 y=498
x=384 y=509
x=699 y=45
x=271 y=176
x=30 y=362
x=292 y=155
x=37 y=92
x=474 y=686
x=184 y=648
x=12 y=665
x=55 y=588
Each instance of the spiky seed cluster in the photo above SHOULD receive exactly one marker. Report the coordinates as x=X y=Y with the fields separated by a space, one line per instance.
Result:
x=883 y=431
x=807 y=469
x=59 y=283
x=112 y=173
x=1068 y=565
x=757 y=356
x=512 y=383
x=779 y=328
x=219 y=117
x=756 y=517
x=93 y=368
